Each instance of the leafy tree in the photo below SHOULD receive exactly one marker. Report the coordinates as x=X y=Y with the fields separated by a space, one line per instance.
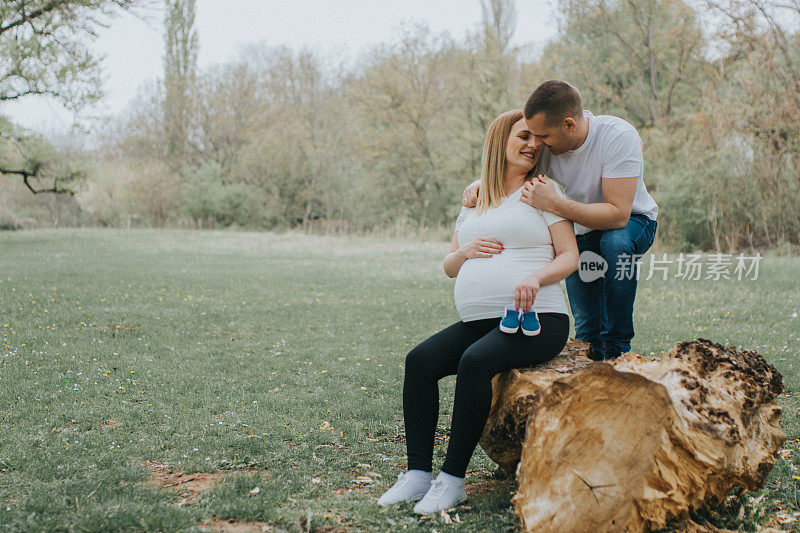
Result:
x=37 y=161
x=226 y=114
x=43 y=46
x=403 y=98
x=490 y=81
x=638 y=59
x=758 y=79
x=180 y=65
x=297 y=148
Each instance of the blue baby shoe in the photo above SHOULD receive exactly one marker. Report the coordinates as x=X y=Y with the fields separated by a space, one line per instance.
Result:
x=510 y=321
x=530 y=323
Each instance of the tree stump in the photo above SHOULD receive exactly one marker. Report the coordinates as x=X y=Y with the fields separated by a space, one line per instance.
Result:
x=632 y=444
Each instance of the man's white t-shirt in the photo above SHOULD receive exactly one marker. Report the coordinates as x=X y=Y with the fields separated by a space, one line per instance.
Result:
x=612 y=149
x=485 y=285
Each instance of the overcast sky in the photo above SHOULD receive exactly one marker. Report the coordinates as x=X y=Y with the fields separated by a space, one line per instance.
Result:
x=133 y=48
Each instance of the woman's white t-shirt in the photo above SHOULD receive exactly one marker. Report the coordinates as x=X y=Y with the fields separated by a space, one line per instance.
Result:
x=485 y=285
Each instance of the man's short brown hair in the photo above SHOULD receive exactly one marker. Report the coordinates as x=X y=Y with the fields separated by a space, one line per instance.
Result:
x=556 y=99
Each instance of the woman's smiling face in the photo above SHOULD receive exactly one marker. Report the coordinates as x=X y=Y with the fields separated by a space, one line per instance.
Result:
x=520 y=150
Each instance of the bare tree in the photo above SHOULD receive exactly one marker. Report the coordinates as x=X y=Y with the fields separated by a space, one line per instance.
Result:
x=499 y=22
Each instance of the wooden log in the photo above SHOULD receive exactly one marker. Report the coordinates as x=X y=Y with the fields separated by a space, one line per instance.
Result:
x=633 y=444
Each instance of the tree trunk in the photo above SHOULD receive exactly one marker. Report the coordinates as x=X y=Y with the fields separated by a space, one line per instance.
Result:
x=633 y=444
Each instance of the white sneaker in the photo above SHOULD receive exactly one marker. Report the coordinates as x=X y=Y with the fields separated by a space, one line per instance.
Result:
x=442 y=495
x=411 y=485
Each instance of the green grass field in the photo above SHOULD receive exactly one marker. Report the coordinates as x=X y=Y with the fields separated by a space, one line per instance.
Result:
x=278 y=359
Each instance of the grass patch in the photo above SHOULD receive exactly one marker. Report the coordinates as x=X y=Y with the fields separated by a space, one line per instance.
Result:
x=275 y=361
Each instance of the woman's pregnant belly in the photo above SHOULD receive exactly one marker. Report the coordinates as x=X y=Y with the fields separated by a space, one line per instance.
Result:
x=485 y=285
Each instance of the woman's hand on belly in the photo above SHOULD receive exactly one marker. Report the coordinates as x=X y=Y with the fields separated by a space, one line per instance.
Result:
x=481 y=247
x=525 y=293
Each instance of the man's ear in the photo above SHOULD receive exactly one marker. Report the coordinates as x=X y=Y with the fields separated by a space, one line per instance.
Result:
x=571 y=124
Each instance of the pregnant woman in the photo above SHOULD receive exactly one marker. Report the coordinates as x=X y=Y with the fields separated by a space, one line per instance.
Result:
x=503 y=251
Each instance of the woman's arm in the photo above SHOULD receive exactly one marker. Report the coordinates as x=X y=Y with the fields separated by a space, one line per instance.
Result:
x=480 y=247
x=562 y=233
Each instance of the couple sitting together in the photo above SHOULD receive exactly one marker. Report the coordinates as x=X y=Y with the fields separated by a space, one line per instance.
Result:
x=517 y=236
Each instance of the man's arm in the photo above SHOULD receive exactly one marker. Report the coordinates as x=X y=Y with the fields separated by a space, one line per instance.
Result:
x=622 y=166
x=614 y=213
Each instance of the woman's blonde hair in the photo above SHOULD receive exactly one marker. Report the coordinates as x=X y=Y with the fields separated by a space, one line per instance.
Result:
x=493 y=161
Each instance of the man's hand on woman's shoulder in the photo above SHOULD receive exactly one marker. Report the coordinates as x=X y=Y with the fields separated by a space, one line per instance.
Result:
x=470 y=197
x=540 y=193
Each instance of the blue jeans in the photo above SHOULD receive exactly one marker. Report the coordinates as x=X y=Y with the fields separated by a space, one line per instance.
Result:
x=603 y=308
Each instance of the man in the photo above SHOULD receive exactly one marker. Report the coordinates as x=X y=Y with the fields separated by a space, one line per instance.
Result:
x=598 y=160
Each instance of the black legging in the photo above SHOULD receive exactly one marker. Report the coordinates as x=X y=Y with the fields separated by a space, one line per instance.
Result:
x=475 y=351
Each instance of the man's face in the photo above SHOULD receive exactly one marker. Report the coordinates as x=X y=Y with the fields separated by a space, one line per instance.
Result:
x=557 y=137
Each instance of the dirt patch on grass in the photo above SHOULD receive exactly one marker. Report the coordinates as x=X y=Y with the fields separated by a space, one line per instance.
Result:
x=482 y=487
x=235 y=526
x=238 y=334
x=253 y=526
x=301 y=525
x=483 y=482
x=116 y=327
x=189 y=486
x=110 y=423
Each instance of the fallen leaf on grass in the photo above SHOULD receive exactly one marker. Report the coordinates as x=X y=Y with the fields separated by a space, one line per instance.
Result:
x=362 y=479
x=786 y=518
x=303 y=525
x=448 y=519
